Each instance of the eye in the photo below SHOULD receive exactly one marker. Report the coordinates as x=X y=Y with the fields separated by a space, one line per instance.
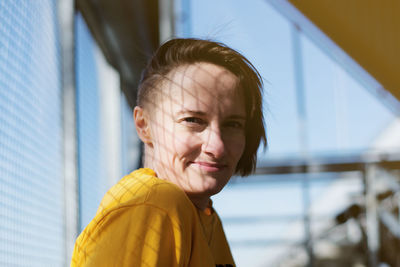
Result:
x=193 y=121
x=234 y=124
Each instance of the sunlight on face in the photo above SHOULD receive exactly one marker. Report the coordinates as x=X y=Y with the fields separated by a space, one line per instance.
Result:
x=197 y=128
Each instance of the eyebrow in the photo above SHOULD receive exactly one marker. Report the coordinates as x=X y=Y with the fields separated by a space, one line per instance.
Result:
x=195 y=112
x=201 y=113
x=237 y=117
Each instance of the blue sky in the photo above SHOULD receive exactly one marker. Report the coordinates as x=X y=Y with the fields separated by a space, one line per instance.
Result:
x=342 y=117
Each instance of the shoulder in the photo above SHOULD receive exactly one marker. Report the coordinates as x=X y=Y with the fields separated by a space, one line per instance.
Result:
x=140 y=203
x=142 y=187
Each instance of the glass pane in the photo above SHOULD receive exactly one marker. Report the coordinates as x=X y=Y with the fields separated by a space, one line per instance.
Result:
x=92 y=171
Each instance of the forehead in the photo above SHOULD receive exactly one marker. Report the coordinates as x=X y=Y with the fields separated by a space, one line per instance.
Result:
x=203 y=83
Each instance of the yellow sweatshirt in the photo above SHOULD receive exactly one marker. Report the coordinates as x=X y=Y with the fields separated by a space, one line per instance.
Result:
x=146 y=221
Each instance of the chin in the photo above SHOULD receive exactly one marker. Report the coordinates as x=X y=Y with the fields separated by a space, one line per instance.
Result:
x=211 y=186
x=206 y=183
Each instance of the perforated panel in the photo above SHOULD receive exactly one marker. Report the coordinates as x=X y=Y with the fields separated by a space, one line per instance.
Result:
x=31 y=174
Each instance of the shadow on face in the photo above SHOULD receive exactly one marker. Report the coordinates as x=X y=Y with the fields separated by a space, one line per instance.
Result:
x=193 y=128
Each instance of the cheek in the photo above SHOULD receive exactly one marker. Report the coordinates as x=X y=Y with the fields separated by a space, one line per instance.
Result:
x=176 y=146
x=236 y=146
x=186 y=146
x=162 y=140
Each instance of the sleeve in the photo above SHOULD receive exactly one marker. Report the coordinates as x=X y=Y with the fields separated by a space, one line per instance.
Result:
x=141 y=235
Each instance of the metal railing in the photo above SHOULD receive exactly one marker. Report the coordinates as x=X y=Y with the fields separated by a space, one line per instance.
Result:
x=378 y=217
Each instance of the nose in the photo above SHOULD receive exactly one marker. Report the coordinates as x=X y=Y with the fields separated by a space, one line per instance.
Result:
x=213 y=143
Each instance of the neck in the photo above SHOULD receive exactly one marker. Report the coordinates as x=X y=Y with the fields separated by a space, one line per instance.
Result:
x=200 y=202
x=148 y=158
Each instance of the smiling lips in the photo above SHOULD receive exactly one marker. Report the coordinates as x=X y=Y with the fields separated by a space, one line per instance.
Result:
x=209 y=166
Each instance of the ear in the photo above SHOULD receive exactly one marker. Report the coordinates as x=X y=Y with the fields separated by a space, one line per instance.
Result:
x=142 y=125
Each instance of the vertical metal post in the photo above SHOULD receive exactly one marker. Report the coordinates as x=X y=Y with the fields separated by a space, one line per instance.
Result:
x=66 y=11
x=302 y=117
x=371 y=207
x=166 y=19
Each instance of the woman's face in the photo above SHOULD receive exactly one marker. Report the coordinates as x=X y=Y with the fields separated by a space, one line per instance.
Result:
x=197 y=128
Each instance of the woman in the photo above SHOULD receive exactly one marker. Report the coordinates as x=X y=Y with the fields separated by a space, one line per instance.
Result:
x=200 y=118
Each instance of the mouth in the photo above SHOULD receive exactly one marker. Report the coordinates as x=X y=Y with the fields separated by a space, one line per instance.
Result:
x=209 y=166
